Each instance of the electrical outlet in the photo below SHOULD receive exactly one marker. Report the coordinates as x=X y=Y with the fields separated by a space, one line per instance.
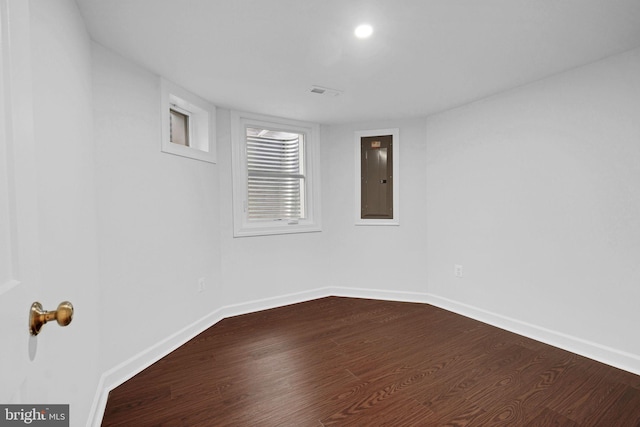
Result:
x=201 y=284
x=457 y=270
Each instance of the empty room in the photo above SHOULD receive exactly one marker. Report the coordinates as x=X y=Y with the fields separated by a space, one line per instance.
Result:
x=320 y=212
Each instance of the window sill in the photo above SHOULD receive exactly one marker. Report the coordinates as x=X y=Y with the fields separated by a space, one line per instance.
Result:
x=269 y=230
x=377 y=222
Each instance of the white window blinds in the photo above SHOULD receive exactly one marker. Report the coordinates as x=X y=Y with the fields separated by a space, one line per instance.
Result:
x=275 y=175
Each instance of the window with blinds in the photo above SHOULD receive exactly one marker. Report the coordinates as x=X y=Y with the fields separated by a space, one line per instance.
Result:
x=275 y=175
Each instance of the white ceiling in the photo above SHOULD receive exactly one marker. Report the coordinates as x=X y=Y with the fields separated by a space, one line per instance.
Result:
x=425 y=56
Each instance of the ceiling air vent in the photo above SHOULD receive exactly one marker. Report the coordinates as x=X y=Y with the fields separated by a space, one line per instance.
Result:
x=325 y=91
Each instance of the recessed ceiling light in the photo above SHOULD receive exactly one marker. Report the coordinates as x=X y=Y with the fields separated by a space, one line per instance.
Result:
x=363 y=31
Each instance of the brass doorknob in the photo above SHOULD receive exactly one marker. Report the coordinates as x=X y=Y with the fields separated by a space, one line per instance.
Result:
x=38 y=317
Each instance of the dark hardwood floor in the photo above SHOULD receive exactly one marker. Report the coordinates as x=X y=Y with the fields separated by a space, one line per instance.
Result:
x=356 y=362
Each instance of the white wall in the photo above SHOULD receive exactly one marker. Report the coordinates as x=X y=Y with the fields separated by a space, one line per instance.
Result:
x=530 y=191
x=158 y=217
x=376 y=257
x=263 y=267
x=536 y=193
x=62 y=100
x=164 y=221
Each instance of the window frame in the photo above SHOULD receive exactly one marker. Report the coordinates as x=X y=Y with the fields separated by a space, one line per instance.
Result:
x=242 y=227
x=358 y=135
x=188 y=121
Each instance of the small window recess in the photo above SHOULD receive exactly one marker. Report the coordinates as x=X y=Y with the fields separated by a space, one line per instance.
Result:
x=188 y=124
x=375 y=179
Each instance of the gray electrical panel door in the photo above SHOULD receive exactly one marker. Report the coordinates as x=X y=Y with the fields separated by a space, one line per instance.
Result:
x=376 y=166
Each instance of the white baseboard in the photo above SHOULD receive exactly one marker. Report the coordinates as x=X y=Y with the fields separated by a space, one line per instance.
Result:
x=127 y=369
x=607 y=355
x=378 y=294
x=592 y=350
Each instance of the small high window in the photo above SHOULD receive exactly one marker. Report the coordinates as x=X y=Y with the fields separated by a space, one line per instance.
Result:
x=188 y=124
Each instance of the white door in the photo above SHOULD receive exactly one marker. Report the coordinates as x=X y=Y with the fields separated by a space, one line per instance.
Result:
x=18 y=241
x=20 y=284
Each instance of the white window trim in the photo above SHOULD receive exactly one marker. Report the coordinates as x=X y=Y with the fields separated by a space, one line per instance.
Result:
x=241 y=226
x=395 y=132
x=202 y=122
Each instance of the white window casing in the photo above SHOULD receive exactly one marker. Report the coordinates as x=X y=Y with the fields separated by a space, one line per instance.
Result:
x=276 y=175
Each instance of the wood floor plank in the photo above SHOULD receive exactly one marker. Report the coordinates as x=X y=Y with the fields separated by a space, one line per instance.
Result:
x=359 y=362
x=549 y=418
x=624 y=411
